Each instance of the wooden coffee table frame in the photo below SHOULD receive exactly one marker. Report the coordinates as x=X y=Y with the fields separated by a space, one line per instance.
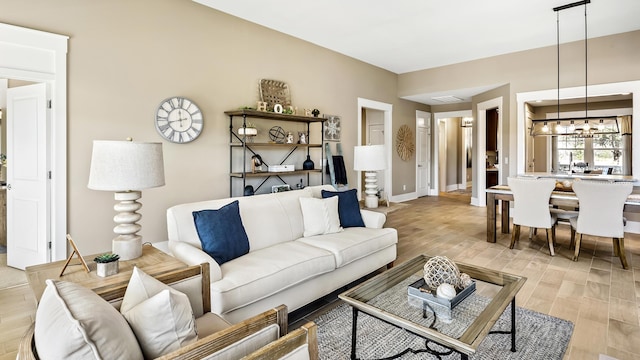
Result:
x=467 y=344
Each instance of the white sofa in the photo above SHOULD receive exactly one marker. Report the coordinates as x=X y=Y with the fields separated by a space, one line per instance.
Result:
x=282 y=266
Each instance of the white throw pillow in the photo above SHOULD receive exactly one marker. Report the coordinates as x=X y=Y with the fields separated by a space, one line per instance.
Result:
x=160 y=316
x=320 y=216
x=73 y=322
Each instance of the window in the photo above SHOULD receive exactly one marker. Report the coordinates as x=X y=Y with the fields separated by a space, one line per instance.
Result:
x=597 y=152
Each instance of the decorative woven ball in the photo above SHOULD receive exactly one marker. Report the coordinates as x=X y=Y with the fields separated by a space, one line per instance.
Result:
x=277 y=134
x=465 y=281
x=439 y=270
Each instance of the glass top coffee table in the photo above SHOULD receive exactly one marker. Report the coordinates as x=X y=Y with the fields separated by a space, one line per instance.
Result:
x=385 y=297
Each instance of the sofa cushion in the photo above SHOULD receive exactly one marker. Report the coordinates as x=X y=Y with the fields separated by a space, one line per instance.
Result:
x=320 y=216
x=267 y=271
x=348 y=207
x=73 y=322
x=160 y=316
x=221 y=232
x=353 y=243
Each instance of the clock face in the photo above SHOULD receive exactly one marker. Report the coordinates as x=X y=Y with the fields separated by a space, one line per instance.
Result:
x=179 y=120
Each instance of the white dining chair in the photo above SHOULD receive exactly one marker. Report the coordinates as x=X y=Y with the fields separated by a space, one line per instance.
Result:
x=601 y=206
x=531 y=207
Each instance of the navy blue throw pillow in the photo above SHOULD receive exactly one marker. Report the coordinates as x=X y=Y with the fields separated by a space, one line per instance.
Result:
x=221 y=232
x=348 y=207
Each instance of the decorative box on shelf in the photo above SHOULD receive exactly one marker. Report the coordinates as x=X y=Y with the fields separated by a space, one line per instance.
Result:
x=419 y=294
x=281 y=168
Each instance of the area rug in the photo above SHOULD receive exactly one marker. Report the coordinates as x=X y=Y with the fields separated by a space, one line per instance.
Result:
x=538 y=336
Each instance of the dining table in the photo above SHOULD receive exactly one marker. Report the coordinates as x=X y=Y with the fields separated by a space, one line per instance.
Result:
x=559 y=198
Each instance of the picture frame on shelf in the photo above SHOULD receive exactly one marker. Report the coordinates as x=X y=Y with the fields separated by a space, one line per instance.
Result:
x=280 y=188
x=332 y=128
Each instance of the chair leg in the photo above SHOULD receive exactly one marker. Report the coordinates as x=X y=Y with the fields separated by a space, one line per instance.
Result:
x=577 y=251
x=532 y=232
x=573 y=238
x=550 y=240
x=515 y=235
x=619 y=244
x=553 y=235
x=616 y=247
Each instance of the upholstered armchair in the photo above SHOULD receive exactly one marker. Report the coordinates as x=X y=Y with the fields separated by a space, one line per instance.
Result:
x=84 y=312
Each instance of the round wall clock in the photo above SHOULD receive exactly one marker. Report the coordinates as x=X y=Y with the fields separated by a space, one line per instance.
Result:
x=179 y=120
x=404 y=143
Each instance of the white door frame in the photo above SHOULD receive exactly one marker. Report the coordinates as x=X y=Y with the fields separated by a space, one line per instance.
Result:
x=481 y=149
x=436 y=142
x=388 y=140
x=427 y=124
x=42 y=57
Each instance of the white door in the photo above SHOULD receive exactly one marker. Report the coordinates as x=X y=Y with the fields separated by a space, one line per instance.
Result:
x=375 y=136
x=423 y=144
x=28 y=193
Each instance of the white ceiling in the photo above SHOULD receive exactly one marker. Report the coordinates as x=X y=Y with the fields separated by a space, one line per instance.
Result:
x=408 y=35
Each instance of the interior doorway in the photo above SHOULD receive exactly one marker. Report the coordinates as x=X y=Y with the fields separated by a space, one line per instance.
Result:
x=40 y=57
x=448 y=150
x=479 y=197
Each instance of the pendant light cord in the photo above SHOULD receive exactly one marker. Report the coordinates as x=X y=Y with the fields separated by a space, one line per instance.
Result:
x=586 y=83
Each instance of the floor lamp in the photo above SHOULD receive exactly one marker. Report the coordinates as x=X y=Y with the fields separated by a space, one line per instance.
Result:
x=370 y=159
x=126 y=167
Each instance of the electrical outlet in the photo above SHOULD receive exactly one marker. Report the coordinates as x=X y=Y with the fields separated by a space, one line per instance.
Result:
x=404 y=187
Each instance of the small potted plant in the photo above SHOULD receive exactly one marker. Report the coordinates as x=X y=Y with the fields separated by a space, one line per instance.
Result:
x=107 y=264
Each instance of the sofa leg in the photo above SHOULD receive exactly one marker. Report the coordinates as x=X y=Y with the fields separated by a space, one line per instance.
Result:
x=389 y=265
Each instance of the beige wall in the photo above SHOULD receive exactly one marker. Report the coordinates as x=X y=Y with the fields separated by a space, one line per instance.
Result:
x=125 y=57
x=611 y=59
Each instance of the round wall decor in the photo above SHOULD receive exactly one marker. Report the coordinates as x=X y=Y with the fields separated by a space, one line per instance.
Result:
x=405 y=145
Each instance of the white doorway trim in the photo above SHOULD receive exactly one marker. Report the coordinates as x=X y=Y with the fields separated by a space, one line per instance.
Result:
x=436 y=140
x=481 y=149
x=388 y=140
x=38 y=56
x=426 y=118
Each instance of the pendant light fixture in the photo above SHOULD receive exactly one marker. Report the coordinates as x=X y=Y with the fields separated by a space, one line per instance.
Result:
x=577 y=126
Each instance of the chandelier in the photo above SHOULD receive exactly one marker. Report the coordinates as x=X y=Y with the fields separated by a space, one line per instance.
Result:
x=584 y=127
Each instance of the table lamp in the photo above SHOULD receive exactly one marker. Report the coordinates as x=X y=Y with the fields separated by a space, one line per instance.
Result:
x=126 y=167
x=369 y=158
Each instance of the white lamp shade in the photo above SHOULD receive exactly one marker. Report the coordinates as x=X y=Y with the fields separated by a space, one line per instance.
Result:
x=126 y=165
x=369 y=158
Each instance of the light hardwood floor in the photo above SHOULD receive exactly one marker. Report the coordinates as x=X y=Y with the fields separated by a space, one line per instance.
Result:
x=595 y=293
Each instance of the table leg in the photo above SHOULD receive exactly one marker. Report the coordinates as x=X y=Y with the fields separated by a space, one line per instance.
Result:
x=513 y=324
x=491 y=217
x=354 y=328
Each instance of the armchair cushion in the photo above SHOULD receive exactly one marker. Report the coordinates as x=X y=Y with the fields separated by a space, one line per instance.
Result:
x=73 y=322
x=348 y=207
x=222 y=233
x=160 y=316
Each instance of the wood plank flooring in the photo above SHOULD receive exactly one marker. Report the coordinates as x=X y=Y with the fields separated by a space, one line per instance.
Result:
x=595 y=293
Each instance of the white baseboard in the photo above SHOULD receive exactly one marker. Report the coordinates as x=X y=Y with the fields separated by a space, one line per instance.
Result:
x=451 y=187
x=474 y=201
x=404 y=197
